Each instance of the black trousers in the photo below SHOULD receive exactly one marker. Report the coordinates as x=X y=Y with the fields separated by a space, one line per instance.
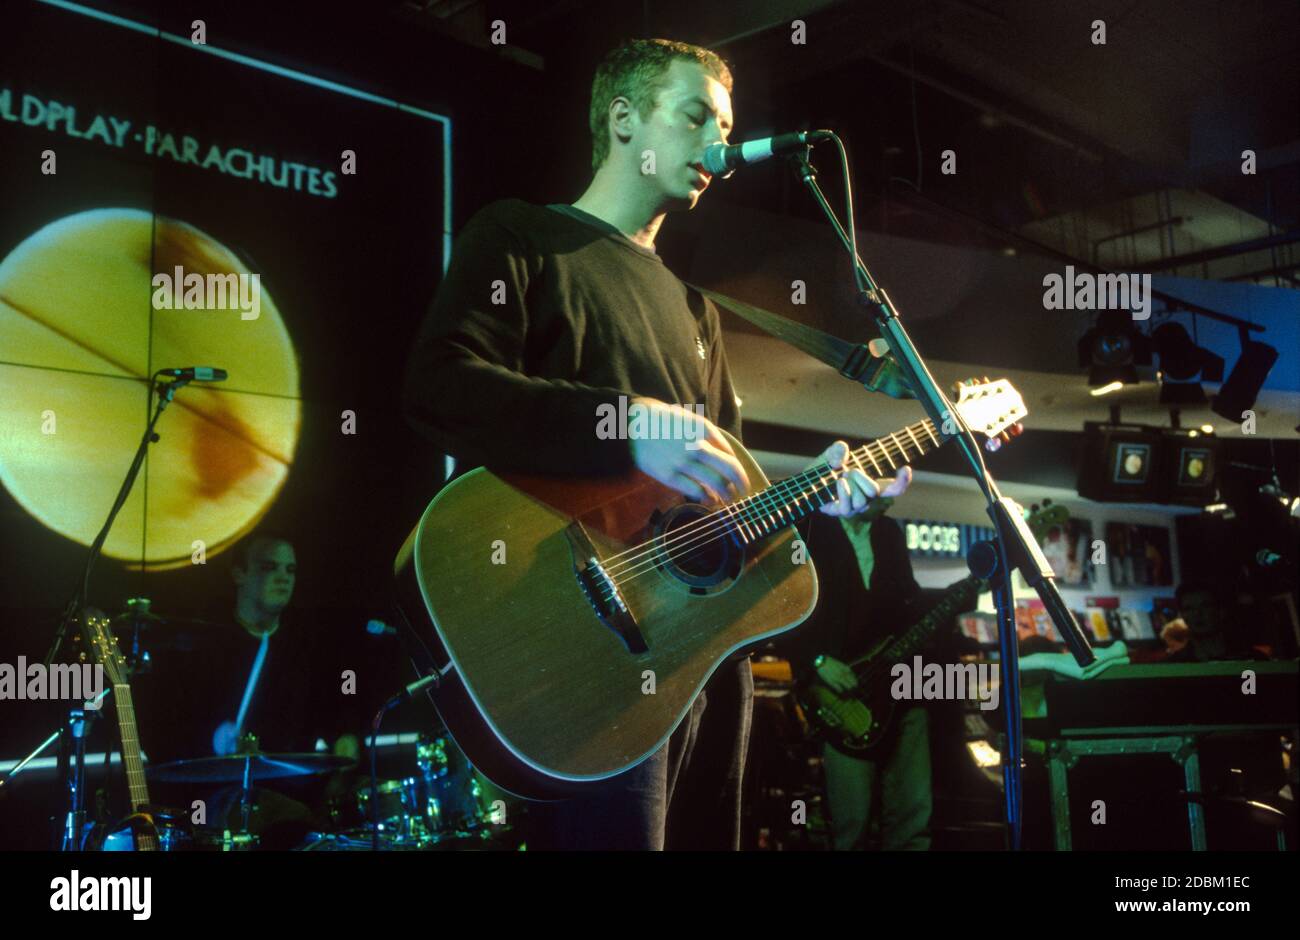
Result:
x=685 y=796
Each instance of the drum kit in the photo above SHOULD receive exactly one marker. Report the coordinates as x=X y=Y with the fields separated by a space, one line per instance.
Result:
x=443 y=804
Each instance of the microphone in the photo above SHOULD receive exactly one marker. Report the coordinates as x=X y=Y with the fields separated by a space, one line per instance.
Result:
x=722 y=159
x=196 y=374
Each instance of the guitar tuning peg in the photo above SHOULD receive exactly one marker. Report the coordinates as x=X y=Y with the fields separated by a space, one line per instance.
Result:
x=992 y=445
x=1017 y=429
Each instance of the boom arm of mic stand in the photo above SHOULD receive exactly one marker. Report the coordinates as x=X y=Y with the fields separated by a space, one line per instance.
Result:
x=166 y=391
x=1022 y=548
x=1013 y=547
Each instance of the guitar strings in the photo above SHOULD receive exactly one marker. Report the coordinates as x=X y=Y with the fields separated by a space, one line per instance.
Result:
x=705 y=530
x=718 y=523
x=701 y=538
x=729 y=517
x=887 y=446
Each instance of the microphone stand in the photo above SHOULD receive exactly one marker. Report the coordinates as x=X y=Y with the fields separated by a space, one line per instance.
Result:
x=75 y=815
x=1013 y=548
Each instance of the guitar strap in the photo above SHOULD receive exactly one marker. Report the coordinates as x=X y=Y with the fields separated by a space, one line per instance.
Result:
x=856 y=361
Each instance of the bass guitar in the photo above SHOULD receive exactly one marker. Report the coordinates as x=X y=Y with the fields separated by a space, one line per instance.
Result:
x=862 y=719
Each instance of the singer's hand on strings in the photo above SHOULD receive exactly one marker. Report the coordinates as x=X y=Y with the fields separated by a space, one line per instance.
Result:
x=855 y=491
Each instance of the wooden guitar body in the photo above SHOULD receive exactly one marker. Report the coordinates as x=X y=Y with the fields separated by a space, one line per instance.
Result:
x=568 y=654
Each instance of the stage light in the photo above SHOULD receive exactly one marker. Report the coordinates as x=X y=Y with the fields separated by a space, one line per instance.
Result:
x=1238 y=394
x=1182 y=393
x=1113 y=349
x=1182 y=360
x=1207 y=428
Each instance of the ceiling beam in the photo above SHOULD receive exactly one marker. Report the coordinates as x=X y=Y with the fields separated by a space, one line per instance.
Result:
x=1220 y=251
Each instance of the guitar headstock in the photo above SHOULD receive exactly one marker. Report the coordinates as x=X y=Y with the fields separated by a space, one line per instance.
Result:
x=98 y=641
x=1041 y=520
x=991 y=408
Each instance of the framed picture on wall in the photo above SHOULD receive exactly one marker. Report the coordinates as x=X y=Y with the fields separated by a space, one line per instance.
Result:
x=1138 y=555
x=1068 y=549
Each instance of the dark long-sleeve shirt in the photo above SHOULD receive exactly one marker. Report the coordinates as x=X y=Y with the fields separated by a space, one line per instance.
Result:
x=190 y=692
x=546 y=314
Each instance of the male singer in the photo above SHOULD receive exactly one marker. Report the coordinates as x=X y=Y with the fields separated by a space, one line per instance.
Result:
x=548 y=313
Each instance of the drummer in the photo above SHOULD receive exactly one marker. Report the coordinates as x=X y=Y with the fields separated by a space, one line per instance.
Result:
x=274 y=682
x=258 y=670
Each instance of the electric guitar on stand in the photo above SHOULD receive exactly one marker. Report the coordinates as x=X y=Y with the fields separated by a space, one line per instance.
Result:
x=103 y=650
x=574 y=620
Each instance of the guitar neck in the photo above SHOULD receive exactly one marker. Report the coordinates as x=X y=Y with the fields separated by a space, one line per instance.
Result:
x=131 y=757
x=916 y=636
x=784 y=503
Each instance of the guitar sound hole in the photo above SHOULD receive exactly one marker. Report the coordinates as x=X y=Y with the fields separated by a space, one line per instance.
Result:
x=693 y=547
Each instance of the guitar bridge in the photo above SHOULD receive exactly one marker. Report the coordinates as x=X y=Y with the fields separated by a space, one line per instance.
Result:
x=602 y=593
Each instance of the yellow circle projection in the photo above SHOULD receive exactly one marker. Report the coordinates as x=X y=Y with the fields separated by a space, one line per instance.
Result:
x=79 y=337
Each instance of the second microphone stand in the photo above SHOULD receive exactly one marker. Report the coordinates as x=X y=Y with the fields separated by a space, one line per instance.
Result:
x=72 y=756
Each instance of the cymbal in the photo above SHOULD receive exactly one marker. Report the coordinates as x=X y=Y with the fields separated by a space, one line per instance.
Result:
x=230 y=768
x=174 y=634
x=148 y=619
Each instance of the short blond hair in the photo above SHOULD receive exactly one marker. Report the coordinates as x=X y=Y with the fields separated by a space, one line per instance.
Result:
x=635 y=70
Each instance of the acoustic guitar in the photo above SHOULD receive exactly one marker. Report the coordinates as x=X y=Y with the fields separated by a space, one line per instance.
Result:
x=572 y=621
